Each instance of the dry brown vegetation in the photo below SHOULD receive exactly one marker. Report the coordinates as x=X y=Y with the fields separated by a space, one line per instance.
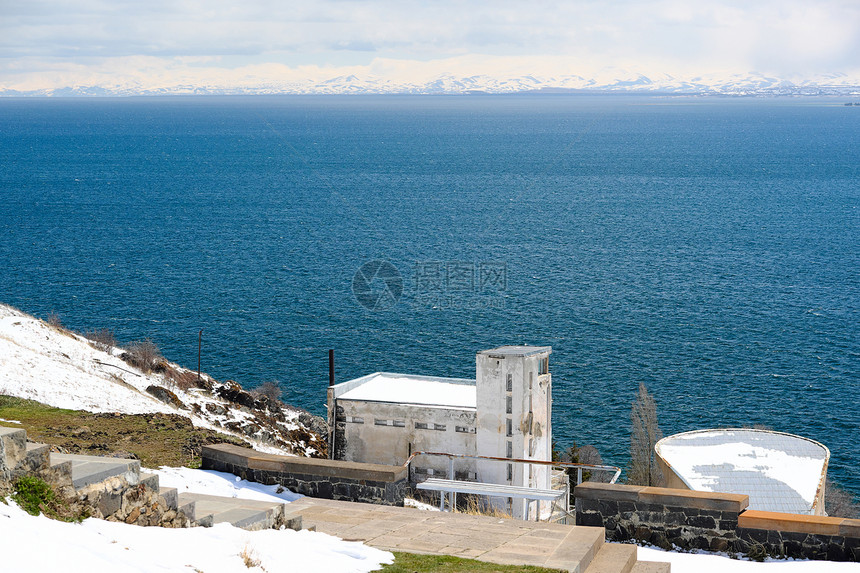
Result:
x=102 y=339
x=145 y=355
x=645 y=434
x=271 y=390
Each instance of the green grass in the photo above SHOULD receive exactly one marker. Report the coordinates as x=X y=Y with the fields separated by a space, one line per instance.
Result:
x=414 y=563
x=35 y=496
x=154 y=439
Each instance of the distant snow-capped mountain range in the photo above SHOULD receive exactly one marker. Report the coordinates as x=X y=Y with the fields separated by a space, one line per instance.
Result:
x=618 y=82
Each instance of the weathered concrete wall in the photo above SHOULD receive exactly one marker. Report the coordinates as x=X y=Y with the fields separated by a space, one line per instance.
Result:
x=387 y=433
x=329 y=479
x=514 y=412
x=713 y=521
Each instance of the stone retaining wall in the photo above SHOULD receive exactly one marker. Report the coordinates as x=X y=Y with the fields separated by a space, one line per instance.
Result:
x=329 y=479
x=712 y=521
x=661 y=516
x=802 y=536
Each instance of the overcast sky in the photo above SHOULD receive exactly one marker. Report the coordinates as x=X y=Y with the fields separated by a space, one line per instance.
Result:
x=49 y=43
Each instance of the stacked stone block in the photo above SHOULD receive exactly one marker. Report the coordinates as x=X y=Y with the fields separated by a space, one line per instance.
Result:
x=328 y=479
x=712 y=521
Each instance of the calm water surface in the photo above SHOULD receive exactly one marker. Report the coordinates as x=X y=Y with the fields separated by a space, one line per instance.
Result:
x=706 y=247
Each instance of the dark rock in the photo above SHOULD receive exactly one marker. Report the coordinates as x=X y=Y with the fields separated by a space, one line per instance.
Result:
x=660 y=540
x=234 y=393
x=642 y=534
x=163 y=394
x=315 y=424
x=703 y=521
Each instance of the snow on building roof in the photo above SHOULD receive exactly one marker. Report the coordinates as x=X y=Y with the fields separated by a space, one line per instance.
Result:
x=409 y=389
x=518 y=350
x=779 y=472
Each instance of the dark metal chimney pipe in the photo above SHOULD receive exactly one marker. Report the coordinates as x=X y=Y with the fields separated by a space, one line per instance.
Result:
x=331 y=367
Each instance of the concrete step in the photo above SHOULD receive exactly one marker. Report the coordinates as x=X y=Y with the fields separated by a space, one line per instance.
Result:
x=13 y=446
x=579 y=548
x=613 y=558
x=651 y=567
x=171 y=496
x=248 y=514
x=89 y=470
x=36 y=459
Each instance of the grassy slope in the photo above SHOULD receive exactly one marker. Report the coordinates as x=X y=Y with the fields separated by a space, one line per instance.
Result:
x=154 y=439
x=413 y=563
x=171 y=440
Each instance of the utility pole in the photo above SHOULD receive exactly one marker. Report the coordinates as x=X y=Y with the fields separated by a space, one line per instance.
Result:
x=199 y=349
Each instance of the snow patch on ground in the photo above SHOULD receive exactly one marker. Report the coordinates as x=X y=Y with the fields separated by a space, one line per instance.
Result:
x=221 y=484
x=716 y=563
x=97 y=546
x=414 y=503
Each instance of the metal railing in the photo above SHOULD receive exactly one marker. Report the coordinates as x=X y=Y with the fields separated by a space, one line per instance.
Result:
x=564 y=509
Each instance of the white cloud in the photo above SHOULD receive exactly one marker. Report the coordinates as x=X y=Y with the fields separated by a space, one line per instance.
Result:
x=197 y=40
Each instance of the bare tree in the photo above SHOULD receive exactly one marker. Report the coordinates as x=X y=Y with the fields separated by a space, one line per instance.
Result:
x=144 y=354
x=838 y=502
x=645 y=434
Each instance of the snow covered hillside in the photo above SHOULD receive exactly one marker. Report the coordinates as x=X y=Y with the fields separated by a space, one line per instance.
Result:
x=97 y=546
x=59 y=368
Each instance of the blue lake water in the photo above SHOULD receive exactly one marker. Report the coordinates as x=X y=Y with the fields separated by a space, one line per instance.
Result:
x=709 y=248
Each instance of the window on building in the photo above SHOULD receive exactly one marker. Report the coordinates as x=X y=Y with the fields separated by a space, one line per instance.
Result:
x=531 y=448
x=399 y=424
x=464 y=429
x=531 y=379
x=510 y=449
x=509 y=427
x=509 y=405
x=510 y=384
x=355 y=419
x=510 y=472
x=543 y=366
x=420 y=425
x=379 y=422
x=440 y=427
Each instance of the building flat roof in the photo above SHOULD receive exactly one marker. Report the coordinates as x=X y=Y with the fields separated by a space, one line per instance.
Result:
x=522 y=350
x=433 y=391
x=779 y=472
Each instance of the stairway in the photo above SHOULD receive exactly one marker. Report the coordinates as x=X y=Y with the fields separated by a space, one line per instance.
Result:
x=485 y=538
x=117 y=490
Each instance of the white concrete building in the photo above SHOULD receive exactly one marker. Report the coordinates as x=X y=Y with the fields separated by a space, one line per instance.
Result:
x=505 y=412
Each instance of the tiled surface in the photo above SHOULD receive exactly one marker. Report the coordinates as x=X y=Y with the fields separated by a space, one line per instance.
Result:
x=503 y=541
x=779 y=472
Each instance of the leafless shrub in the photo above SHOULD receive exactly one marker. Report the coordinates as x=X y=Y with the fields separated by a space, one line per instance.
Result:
x=144 y=354
x=271 y=390
x=582 y=455
x=54 y=320
x=182 y=379
x=645 y=434
x=838 y=502
x=102 y=339
x=480 y=505
x=249 y=557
